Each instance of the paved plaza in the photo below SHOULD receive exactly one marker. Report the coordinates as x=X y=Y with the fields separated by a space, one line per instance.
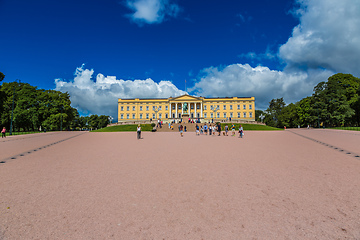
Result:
x=293 y=184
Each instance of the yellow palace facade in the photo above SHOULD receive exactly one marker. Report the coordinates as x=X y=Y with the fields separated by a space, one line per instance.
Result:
x=186 y=106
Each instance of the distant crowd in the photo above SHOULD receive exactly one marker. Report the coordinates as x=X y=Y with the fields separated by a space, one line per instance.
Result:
x=212 y=129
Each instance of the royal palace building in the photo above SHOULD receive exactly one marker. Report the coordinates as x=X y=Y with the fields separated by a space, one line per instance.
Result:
x=186 y=106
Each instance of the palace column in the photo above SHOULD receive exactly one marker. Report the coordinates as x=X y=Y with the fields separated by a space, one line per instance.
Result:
x=169 y=111
x=182 y=109
x=189 y=109
x=201 y=113
x=195 y=110
x=176 y=108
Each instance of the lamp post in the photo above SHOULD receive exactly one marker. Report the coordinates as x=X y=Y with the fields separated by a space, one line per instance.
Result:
x=12 y=109
x=262 y=117
x=61 y=120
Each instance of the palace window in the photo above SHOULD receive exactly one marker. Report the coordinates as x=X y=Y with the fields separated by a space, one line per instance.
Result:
x=122 y=109
x=244 y=106
x=166 y=115
x=218 y=107
x=238 y=115
x=244 y=114
x=147 y=116
x=140 y=108
x=204 y=107
x=238 y=107
x=231 y=114
x=133 y=108
x=250 y=114
x=205 y=115
x=140 y=115
x=147 y=108
x=127 y=108
x=211 y=115
x=160 y=115
x=133 y=116
x=122 y=116
x=192 y=106
x=218 y=115
x=197 y=106
x=179 y=106
x=166 y=108
x=127 y=116
x=224 y=115
x=153 y=116
x=250 y=106
x=230 y=107
x=224 y=107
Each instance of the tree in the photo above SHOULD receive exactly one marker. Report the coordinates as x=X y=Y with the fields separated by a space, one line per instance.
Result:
x=2 y=76
x=334 y=99
x=273 y=113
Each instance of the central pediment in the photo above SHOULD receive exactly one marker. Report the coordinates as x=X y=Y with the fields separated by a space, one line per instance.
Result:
x=185 y=97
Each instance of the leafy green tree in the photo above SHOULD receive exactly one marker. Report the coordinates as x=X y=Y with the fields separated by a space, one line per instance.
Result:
x=304 y=111
x=334 y=99
x=2 y=76
x=289 y=116
x=258 y=113
x=274 y=110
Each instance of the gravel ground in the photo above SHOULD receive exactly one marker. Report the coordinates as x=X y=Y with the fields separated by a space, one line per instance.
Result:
x=293 y=184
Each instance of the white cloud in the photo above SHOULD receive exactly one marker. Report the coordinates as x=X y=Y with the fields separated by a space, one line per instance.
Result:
x=245 y=81
x=326 y=41
x=151 y=11
x=328 y=36
x=100 y=96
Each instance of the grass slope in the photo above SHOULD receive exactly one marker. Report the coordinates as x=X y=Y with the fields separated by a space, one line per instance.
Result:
x=125 y=128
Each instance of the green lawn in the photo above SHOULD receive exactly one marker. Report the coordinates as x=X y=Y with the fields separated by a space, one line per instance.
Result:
x=348 y=128
x=125 y=128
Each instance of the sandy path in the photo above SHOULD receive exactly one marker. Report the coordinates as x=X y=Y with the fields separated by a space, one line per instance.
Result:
x=268 y=185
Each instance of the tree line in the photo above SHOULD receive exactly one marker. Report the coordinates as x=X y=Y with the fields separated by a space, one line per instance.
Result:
x=334 y=103
x=33 y=109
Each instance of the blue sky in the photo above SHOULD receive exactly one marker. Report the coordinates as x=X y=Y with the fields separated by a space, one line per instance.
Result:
x=99 y=51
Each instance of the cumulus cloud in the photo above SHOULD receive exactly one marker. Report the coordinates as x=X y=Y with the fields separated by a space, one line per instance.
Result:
x=151 y=11
x=328 y=36
x=326 y=41
x=242 y=80
x=100 y=96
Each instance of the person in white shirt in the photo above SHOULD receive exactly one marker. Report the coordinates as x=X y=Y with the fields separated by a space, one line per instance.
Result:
x=138 y=131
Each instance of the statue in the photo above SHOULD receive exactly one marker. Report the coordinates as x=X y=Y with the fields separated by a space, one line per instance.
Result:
x=185 y=107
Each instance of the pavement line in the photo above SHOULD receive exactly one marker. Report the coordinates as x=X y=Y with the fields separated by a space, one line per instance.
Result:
x=37 y=149
x=329 y=145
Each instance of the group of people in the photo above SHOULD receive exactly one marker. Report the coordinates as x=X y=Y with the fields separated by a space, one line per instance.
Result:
x=212 y=129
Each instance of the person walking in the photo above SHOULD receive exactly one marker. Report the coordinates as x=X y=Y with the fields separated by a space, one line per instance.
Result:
x=226 y=129
x=181 y=128
x=3 y=133
x=241 y=131
x=213 y=130
x=138 y=131
x=197 y=130
x=219 y=128
x=205 y=129
x=210 y=129
x=233 y=130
